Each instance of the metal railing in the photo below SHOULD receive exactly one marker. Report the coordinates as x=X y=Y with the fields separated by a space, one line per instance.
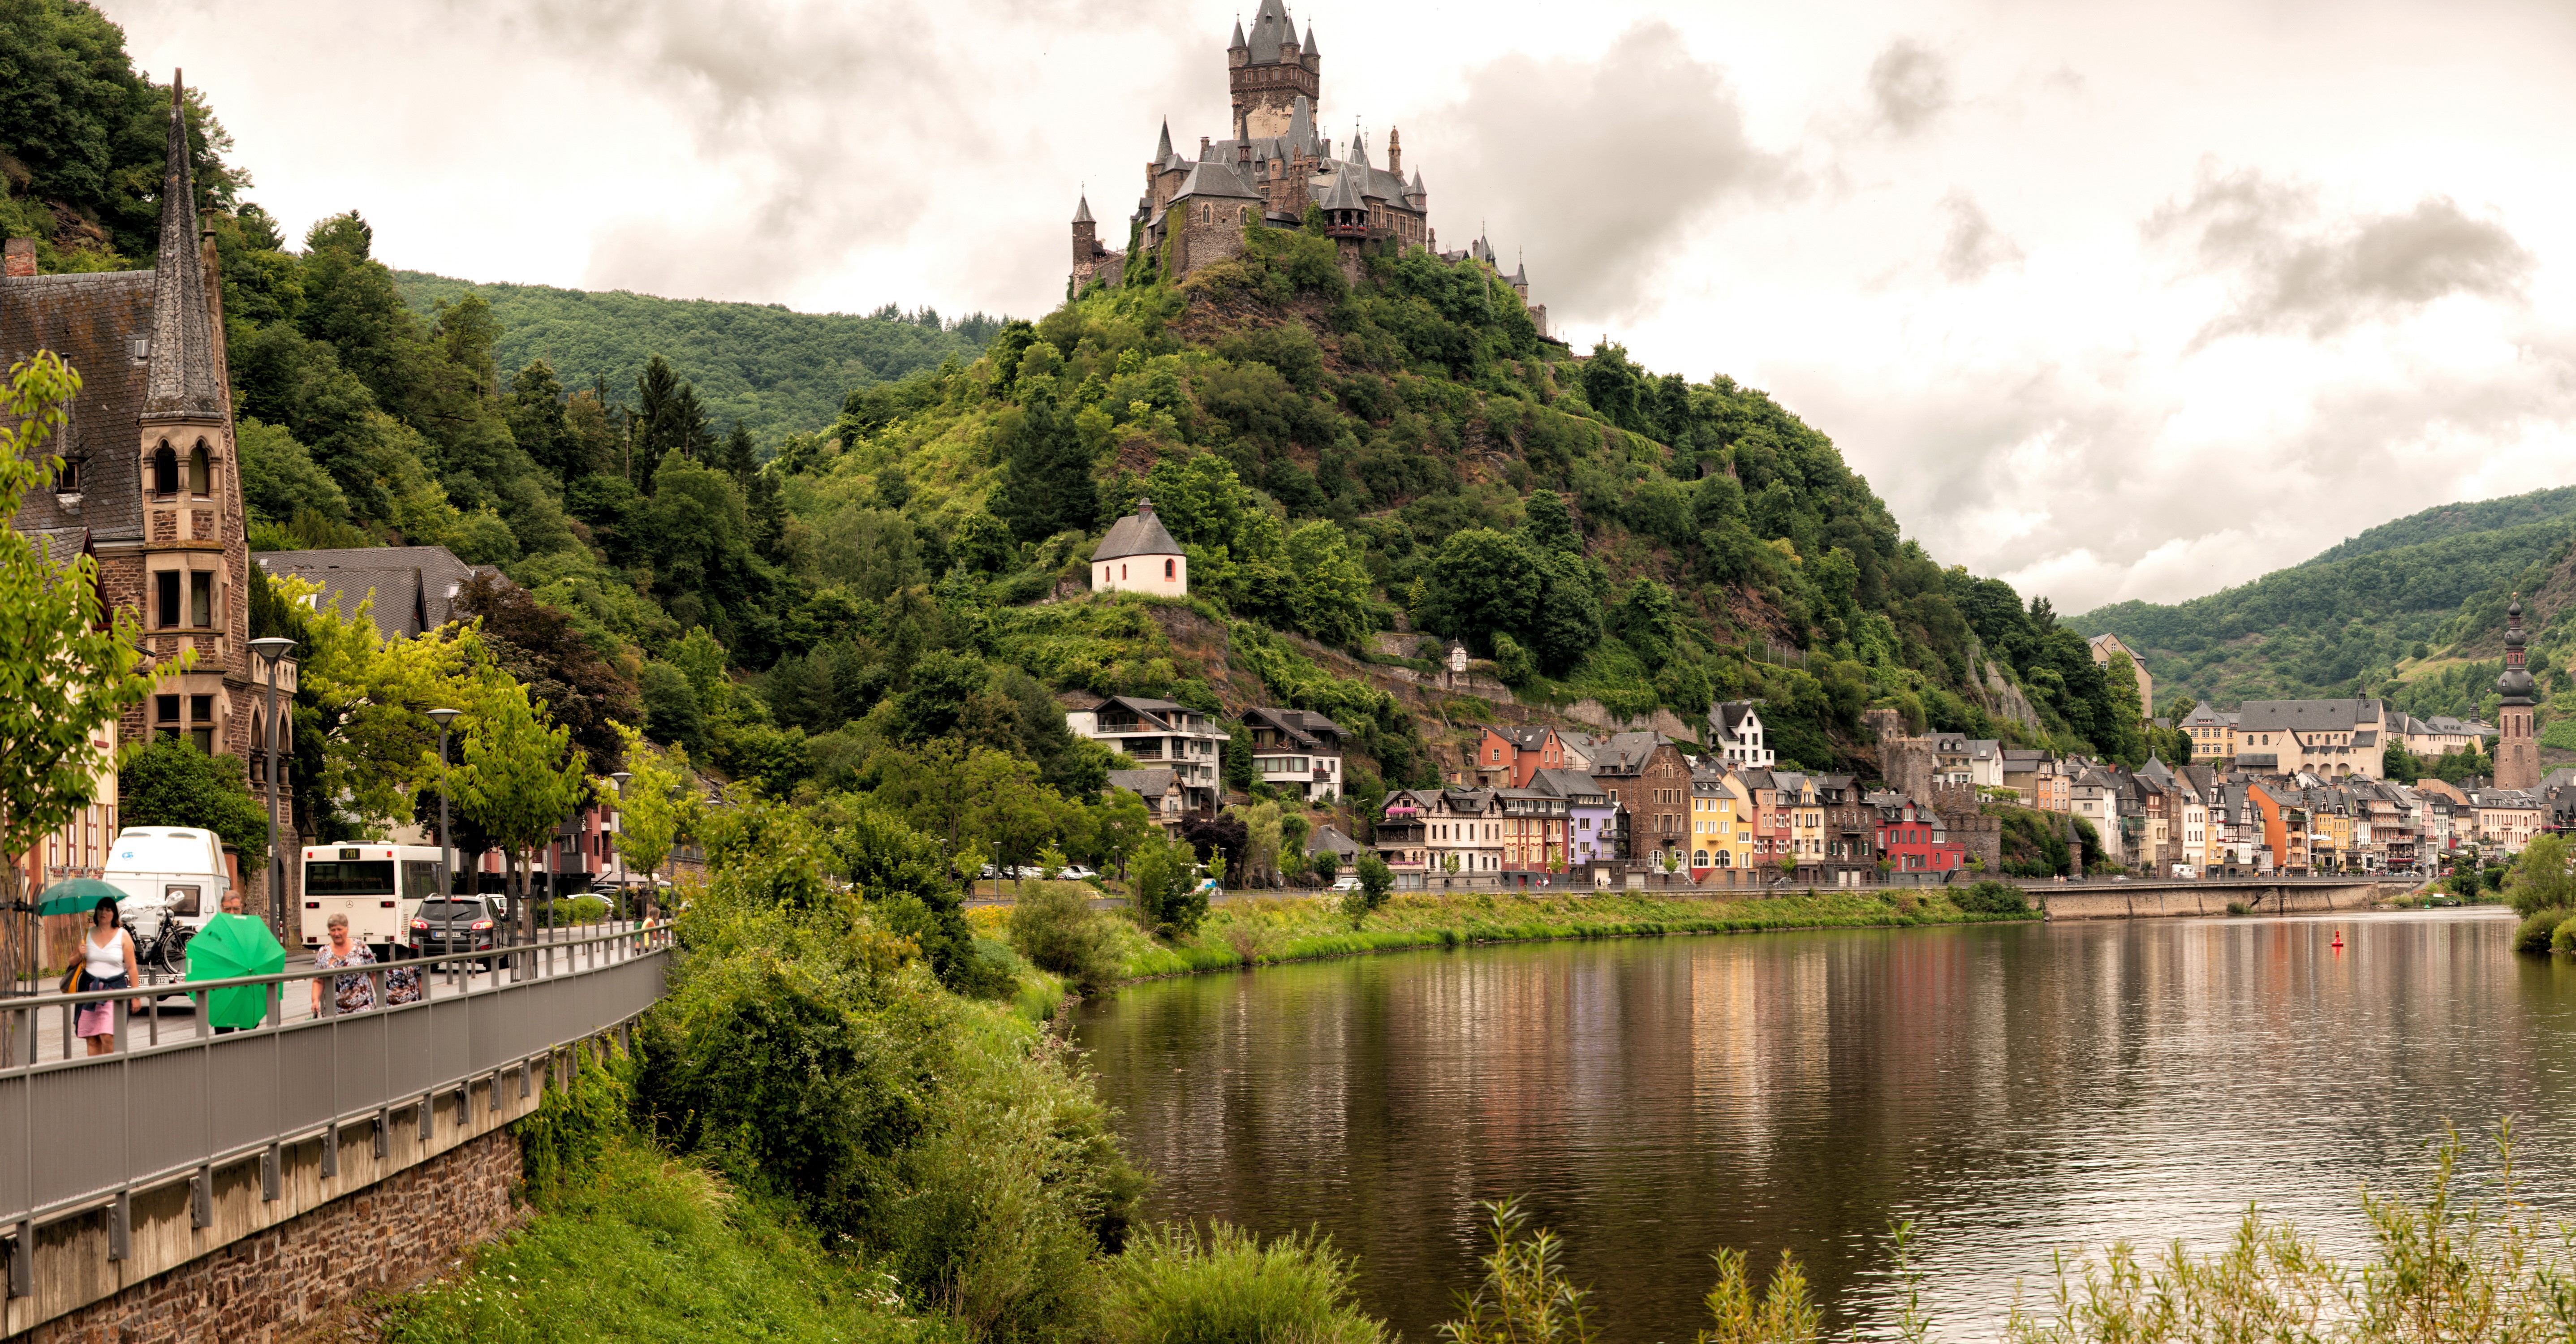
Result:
x=82 y=1131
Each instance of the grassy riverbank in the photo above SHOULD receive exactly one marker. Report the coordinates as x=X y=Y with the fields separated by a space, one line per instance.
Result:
x=1260 y=932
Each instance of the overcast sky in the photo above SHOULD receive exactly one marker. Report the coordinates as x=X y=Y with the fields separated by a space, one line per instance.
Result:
x=2110 y=300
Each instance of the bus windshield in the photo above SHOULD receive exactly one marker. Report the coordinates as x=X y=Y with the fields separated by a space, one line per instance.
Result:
x=344 y=877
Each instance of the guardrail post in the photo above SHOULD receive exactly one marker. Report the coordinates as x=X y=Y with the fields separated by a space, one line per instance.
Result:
x=120 y=1226
x=201 y=1197
x=22 y=1255
x=384 y=1129
x=331 y=1151
x=428 y=1107
x=269 y=1162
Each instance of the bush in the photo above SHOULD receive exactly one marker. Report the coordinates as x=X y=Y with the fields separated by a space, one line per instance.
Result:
x=1991 y=898
x=1177 y=1285
x=2537 y=929
x=1376 y=880
x=1055 y=929
x=2236 y=907
x=2563 y=939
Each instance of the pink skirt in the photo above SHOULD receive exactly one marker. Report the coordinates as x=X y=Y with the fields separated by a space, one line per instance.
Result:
x=96 y=1019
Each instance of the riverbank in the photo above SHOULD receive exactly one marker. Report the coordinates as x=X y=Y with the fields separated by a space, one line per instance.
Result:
x=1260 y=932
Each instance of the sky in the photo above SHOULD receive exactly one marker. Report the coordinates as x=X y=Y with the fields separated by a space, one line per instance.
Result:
x=2109 y=300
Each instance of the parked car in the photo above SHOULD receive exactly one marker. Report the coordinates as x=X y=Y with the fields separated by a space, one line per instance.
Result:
x=1074 y=872
x=1347 y=882
x=2186 y=872
x=461 y=926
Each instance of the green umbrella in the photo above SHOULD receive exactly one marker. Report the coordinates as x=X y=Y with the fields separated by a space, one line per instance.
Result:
x=75 y=896
x=233 y=945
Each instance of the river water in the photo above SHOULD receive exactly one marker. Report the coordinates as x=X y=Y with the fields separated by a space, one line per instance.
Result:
x=2012 y=1089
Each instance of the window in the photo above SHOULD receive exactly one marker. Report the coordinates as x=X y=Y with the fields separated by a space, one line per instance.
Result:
x=165 y=715
x=1171 y=569
x=201 y=598
x=165 y=590
x=197 y=473
x=165 y=471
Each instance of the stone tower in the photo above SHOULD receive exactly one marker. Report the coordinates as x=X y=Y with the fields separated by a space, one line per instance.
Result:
x=1086 y=233
x=1268 y=72
x=2517 y=753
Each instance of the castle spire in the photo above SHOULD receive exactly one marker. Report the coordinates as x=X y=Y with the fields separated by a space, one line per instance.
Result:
x=1163 y=147
x=180 y=382
x=1237 y=44
x=1082 y=212
x=1310 y=48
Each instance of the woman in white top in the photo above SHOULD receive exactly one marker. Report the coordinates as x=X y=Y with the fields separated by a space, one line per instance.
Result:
x=107 y=962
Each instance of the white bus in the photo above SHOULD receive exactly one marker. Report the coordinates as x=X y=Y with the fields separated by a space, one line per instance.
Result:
x=377 y=886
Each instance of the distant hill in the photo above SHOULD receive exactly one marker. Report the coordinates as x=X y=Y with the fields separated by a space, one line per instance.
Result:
x=2345 y=621
x=2451 y=520
x=776 y=370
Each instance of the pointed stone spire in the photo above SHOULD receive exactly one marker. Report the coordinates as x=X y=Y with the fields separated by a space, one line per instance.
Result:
x=180 y=383
x=1237 y=44
x=1082 y=212
x=1163 y=147
x=1310 y=48
x=1301 y=127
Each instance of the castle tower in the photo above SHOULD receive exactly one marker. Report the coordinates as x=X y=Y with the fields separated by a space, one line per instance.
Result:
x=1269 y=70
x=1086 y=233
x=2517 y=755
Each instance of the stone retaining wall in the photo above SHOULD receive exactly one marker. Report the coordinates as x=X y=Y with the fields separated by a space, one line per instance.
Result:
x=2151 y=901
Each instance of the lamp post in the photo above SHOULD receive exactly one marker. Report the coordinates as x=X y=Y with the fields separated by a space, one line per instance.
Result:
x=619 y=778
x=274 y=650
x=446 y=883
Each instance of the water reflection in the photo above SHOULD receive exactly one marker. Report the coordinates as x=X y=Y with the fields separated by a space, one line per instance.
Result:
x=2014 y=1089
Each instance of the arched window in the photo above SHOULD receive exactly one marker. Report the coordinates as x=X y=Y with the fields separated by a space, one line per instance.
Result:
x=197 y=473
x=1171 y=569
x=1699 y=858
x=1207 y=214
x=165 y=471
x=1243 y=215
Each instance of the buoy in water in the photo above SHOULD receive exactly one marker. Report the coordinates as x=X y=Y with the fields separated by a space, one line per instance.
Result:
x=2338 y=940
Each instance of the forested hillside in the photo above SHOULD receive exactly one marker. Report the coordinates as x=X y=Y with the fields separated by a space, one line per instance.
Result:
x=774 y=370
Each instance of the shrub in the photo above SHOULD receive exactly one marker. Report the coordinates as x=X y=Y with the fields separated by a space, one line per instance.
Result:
x=2538 y=928
x=1991 y=898
x=2563 y=939
x=1177 y=1285
x=1055 y=929
x=1376 y=880
x=1169 y=899
x=2236 y=907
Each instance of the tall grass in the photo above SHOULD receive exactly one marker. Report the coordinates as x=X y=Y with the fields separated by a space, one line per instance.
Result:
x=1179 y=1285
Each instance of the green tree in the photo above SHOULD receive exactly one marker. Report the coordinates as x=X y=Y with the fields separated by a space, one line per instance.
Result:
x=1329 y=593
x=654 y=806
x=1549 y=526
x=361 y=714
x=171 y=783
x=1006 y=805
x=1376 y=880
x=538 y=424
x=71 y=669
x=1163 y=882
x=1328 y=866
x=518 y=781
x=2539 y=879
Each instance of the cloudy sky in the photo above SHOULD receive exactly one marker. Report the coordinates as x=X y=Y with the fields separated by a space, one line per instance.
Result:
x=2111 y=300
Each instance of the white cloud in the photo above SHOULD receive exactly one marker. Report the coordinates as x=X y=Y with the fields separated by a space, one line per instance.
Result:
x=2116 y=302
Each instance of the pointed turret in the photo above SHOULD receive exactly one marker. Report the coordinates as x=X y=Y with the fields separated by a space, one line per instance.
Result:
x=1163 y=147
x=1310 y=48
x=1082 y=211
x=1301 y=127
x=181 y=382
x=1237 y=44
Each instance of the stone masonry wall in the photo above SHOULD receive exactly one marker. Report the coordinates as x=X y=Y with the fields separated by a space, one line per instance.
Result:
x=386 y=1237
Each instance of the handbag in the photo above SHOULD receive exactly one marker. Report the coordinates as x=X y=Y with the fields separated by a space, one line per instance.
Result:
x=71 y=979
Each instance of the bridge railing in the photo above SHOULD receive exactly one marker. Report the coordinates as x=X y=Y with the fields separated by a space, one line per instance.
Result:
x=81 y=1131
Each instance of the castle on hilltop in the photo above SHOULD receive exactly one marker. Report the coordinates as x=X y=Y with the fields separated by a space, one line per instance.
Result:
x=1276 y=164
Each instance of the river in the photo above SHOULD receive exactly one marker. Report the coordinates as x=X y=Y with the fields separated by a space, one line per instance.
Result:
x=2013 y=1089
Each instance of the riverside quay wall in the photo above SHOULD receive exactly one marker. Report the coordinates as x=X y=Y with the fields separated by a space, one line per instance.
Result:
x=345 y=1223
x=2153 y=900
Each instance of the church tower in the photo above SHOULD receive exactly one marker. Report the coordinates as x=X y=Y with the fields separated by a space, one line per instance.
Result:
x=2517 y=753
x=1269 y=70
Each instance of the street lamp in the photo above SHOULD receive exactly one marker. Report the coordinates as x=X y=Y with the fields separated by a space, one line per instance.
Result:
x=273 y=650
x=619 y=778
x=446 y=883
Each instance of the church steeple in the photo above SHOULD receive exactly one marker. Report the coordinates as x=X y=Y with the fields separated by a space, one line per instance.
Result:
x=2515 y=683
x=2517 y=749
x=181 y=382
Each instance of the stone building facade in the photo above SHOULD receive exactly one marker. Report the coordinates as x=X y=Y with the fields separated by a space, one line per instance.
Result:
x=1273 y=166
x=149 y=483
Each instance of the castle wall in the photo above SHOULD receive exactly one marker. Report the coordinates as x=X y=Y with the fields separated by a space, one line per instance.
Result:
x=1205 y=241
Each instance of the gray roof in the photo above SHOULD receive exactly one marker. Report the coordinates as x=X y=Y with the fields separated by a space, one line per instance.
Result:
x=1271 y=27
x=1139 y=533
x=1300 y=725
x=181 y=383
x=1216 y=178
x=1567 y=784
x=62 y=545
x=1343 y=192
x=1148 y=784
x=414 y=587
x=91 y=321
x=2311 y=716
x=1082 y=212
x=1330 y=837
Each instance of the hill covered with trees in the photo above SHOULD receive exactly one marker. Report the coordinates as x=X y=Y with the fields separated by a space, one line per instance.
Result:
x=774 y=370
x=2412 y=610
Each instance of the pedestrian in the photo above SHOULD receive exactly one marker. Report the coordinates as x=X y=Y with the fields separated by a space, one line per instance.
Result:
x=355 y=992
x=107 y=962
x=232 y=905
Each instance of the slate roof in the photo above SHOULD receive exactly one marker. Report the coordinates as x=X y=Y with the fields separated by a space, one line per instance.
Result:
x=2306 y=716
x=1330 y=837
x=1271 y=28
x=1212 y=178
x=1570 y=784
x=92 y=321
x=415 y=587
x=180 y=383
x=1139 y=533
x=1150 y=785
x=1301 y=726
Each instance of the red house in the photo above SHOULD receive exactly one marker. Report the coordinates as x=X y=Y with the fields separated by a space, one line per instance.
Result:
x=1912 y=838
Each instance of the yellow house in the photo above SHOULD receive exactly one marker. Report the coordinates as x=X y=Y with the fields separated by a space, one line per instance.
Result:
x=1721 y=821
x=2106 y=645
x=2213 y=734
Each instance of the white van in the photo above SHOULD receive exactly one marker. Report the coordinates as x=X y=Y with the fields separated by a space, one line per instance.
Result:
x=166 y=872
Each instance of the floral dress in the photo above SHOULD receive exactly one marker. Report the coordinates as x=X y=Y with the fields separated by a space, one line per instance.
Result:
x=353 y=993
x=402 y=985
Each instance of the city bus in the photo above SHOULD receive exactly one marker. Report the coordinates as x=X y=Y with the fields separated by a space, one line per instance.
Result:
x=377 y=886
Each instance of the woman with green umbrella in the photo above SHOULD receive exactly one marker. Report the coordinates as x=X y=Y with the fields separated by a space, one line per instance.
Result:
x=233 y=944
